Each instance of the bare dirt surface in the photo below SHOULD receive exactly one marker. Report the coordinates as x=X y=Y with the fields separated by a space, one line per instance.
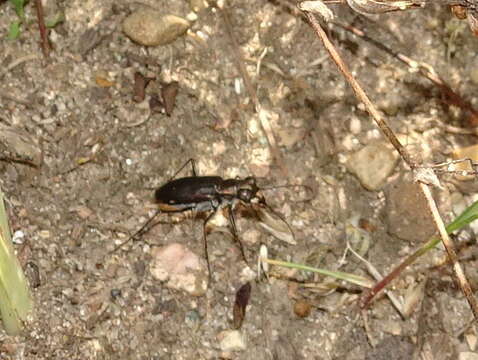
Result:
x=102 y=156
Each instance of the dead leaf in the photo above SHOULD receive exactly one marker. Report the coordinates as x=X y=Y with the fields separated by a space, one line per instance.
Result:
x=168 y=94
x=242 y=299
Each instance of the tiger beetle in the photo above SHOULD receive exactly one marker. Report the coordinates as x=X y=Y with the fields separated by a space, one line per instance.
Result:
x=205 y=194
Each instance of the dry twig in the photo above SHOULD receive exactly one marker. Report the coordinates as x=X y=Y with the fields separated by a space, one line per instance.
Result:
x=239 y=61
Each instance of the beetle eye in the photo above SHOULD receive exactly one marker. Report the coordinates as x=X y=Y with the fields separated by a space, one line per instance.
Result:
x=244 y=195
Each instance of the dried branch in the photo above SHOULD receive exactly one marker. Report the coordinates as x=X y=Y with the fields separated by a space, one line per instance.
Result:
x=45 y=44
x=362 y=96
x=450 y=249
x=450 y=96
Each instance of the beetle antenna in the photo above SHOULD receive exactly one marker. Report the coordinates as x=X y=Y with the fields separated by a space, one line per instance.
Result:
x=289 y=186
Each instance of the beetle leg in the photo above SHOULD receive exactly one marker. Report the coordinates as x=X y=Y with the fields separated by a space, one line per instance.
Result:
x=234 y=231
x=209 y=217
x=193 y=166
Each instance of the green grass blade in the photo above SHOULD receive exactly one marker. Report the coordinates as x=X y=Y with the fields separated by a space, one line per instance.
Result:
x=351 y=278
x=19 y=6
x=15 y=300
x=14 y=30
x=465 y=218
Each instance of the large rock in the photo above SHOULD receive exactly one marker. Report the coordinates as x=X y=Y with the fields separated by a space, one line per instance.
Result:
x=408 y=216
x=180 y=269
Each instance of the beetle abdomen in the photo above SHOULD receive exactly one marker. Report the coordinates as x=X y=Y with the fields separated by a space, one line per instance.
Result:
x=188 y=190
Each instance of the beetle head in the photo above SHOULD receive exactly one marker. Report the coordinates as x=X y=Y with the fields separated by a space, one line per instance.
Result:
x=249 y=191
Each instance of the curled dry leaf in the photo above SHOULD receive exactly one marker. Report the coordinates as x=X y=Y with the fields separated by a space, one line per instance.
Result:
x=302 y=308
x=317 y=7
x=382 y=6
x=275 y=225
x=18 y=146
x=467 y=10
x=469 y=156
x=473 y=22
x=242 y=299
x=427 y=176
x=459 y=11
x=413 y=297
x=366 y=225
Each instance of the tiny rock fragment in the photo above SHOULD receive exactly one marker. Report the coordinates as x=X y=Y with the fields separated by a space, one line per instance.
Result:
x=33 y=274
x=168 y=94
x=290 y=136
x=103 y=82
x=242 y=299
x=471 y=340
x=18 y=146
x=468 y=355
x=198 y=5
x=302 y=308
x=152 y=28
x=231 y=340
x=372 y=165
x=180 y=268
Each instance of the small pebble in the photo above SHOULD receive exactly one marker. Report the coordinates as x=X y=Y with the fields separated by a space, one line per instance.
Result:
x=198 y=5
x=18 y=237
x=115 y=294
x=468 y=152
x=192 y=318
x=152 y=28
x=231 y=340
